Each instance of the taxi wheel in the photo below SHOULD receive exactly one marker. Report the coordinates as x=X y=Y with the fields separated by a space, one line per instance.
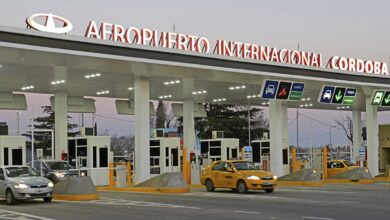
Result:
x=9 y=197
x=269 y=190
x=241 y=187
x=210 y=185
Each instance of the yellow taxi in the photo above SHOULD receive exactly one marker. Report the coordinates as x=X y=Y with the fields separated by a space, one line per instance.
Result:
x=339 y=166
x=238 y=175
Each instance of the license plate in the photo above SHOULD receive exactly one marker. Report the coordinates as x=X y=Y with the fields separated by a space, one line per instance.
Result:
x=267 y=184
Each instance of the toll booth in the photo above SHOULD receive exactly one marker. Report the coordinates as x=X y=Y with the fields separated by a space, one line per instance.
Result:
x=91 y=153
x=218 y=149
x=165 y=155
x=12 y=150
x=261 y=155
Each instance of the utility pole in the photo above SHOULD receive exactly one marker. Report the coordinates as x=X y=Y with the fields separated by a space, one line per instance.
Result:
x=17 y=123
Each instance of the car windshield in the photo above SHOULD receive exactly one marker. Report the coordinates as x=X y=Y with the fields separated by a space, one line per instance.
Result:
x=20 y=172
x=246 y=166
x=58 y=165
x=348 y=163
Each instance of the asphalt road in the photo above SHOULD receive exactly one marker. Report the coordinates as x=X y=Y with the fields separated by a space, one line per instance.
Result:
x=321 y=203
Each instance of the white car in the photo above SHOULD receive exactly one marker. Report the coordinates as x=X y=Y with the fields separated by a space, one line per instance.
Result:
x=21 y=183
x=327 y=94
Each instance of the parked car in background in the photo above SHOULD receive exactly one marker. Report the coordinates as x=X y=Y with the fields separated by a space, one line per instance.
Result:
x=339 y=166
x=22 y=183
x=54 y=170
x=238 y=175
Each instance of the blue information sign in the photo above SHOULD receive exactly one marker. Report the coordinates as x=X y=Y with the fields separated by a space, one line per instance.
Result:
x=270 y=87
x=326 y=94
x=297 y=87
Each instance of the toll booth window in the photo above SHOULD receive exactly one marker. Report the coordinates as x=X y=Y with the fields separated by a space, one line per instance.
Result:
x=234 y=153
x=81 y=142
x=6 y=162
x=215 y=143
x=204 y=147
x=167 y=156
x=103 y=157
x=265 y=144
x=228 y=153
x=154 y=151
x=17 y=157
x=215 y=151
x=82 y=151
x=175 y=157
x=154 y=143
x=94 y=158
x=285 y=156
x=71 y=151
x=256 y=153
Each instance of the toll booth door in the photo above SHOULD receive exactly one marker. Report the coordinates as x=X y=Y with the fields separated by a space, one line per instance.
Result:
x=103 y=157
x=17 y=157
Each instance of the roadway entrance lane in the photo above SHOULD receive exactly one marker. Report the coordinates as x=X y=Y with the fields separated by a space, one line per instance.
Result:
x=326 y=203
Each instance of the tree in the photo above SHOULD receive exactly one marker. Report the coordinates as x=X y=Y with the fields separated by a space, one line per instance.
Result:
x=164 y=117
x=232 y=120
x=346 y=125
x=43 y=139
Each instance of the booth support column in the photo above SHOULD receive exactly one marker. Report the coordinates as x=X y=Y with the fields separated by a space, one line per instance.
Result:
x=372 y=137
x=356 y=133
x=61 y=123
x=141 y=110
x=276 y=109
x=189 y=136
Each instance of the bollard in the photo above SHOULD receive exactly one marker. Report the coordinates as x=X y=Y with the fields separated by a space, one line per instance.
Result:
x=111 y=174
x=293 y=159
x=128 y=169
x=325 y=162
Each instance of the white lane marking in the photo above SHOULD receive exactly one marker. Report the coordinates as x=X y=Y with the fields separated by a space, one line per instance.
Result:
x=123 y=202
x=319 y=218
x=247 y=212
x=5 y=214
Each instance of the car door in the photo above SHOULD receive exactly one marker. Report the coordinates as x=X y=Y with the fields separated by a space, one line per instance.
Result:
x=216 y=174
x=227 y=175
x=2 y=183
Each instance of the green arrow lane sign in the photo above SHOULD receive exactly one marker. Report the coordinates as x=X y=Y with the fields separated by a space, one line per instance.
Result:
x=377 y=98
x=339 y=96
x=386 y=99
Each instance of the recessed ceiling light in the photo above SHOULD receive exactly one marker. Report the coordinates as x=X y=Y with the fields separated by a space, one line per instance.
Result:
x=219 y=100
x=171 y=82
x=237 y=87
x=165 y=96
x=27 y=88
x=130 y=88
x=199 y=92
x=104 y=92
x=92 y=75
x=57 y=82
x=1 y=65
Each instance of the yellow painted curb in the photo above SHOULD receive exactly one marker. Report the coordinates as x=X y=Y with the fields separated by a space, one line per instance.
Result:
x=197 y=186
x=348 y=181
x=299 y=183
x=76 y=197
x=381 y=179
x=146 y=190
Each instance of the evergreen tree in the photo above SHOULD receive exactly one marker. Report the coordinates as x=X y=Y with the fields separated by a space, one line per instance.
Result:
x=160 y=115
x=43 y=139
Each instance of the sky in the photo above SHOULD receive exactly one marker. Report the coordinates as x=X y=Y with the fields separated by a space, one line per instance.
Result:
x=351 y=28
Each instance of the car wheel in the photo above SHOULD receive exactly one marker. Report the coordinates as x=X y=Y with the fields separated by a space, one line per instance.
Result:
x=10 y=198
x=47 y=199
x=269 y=190
x=241 y=187
x=210 y=185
